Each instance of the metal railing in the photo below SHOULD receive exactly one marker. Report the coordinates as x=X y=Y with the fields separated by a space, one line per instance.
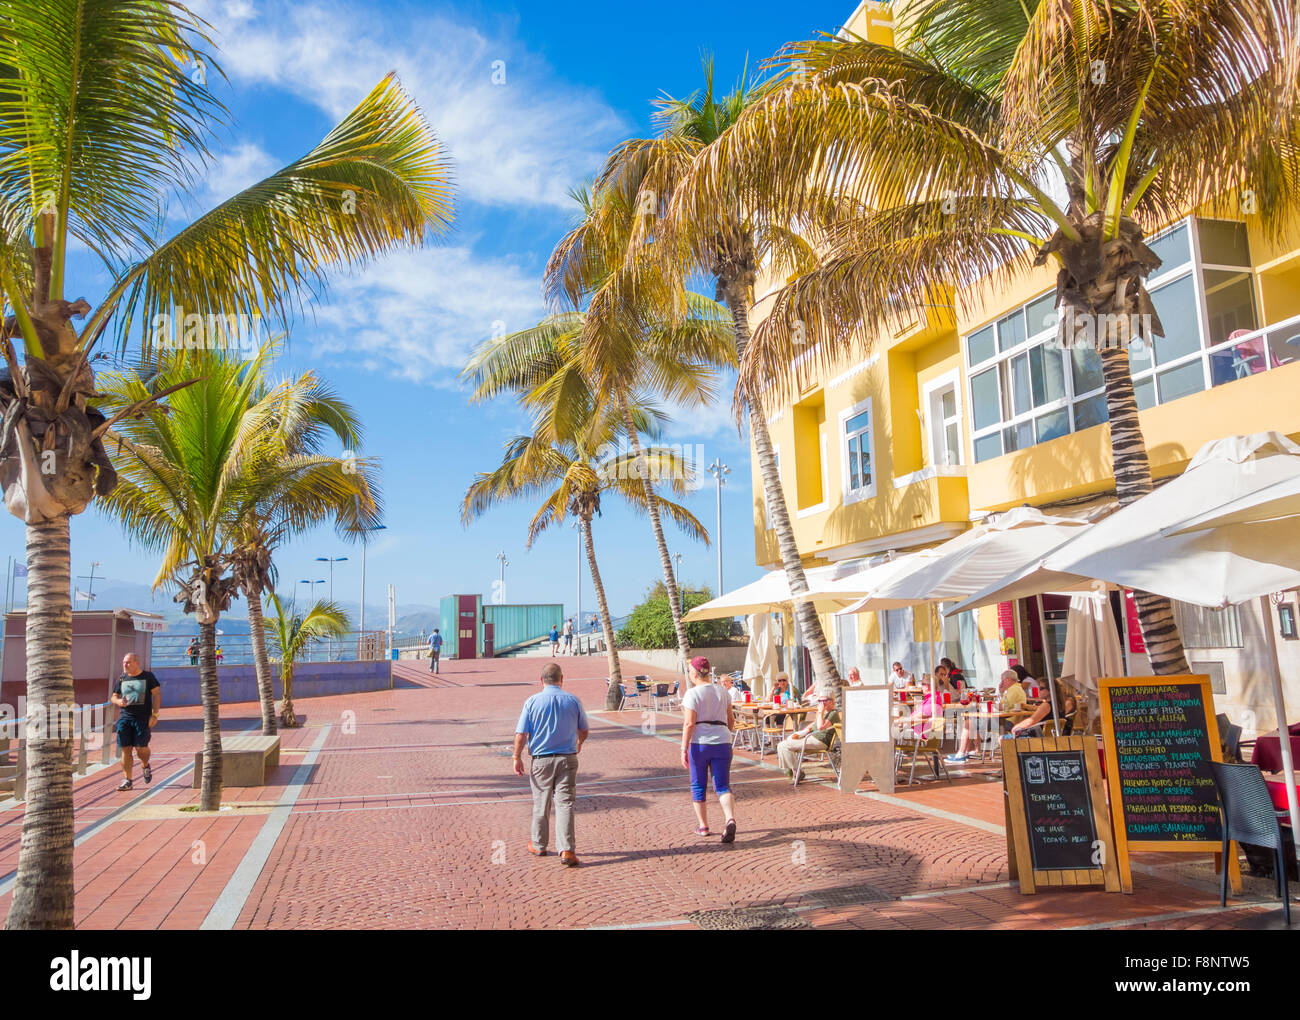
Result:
x=237 y=649
x=87 y=736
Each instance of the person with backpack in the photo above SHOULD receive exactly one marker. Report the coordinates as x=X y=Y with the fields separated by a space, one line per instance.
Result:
x=435 y=650
x=138 y=694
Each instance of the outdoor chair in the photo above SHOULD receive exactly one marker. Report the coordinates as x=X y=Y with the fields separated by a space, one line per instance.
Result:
x=1249 y=817
x=774 y=734
x=662 y=693
x=929 y=748
x=630 y=699
x=1231 y=742
x=831 y=754
x=744 y=733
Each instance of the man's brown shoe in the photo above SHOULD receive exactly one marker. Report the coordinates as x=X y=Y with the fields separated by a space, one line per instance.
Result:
x=569 y=859
x=535 y=852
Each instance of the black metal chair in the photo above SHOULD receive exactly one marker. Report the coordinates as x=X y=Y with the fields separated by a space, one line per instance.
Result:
x=1249 y=817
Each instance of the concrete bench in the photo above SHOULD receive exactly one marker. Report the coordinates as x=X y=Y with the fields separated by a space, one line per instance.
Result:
x=244 y=760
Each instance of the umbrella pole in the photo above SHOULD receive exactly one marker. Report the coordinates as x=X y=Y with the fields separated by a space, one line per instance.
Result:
x=1283 y=735
x=1047 y=658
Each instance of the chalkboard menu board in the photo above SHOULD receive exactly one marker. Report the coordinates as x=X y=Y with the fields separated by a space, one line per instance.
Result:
x=1058 y=832
x=1160 y=736
x=1058 y=809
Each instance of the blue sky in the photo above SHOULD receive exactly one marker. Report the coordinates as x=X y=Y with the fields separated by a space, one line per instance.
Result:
x=578 y=79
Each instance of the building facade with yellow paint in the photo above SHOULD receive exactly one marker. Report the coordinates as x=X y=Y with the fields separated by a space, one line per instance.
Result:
x=972 y=408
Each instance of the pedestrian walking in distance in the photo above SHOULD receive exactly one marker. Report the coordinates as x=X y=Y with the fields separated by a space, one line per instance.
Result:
x=435 y=650
x=553 y=726
x=706 y=746
x=555 y=641
x=138 y=694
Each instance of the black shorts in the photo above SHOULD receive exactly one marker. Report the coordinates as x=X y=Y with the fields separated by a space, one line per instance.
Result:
x=132 y=732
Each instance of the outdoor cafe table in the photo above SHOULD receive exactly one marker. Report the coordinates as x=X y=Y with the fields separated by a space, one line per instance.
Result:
x=762 y=711
x=1268 y=750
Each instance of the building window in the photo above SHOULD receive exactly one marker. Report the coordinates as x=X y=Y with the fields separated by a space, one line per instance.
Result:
x=945 y=424
x=1024 y=390
x=1286 y=621
x=1208 y=628
x=855 y=427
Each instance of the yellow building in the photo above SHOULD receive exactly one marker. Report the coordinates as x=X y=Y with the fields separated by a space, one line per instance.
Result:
x=970 y=409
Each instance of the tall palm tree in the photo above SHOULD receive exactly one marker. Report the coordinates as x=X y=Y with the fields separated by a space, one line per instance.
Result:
x=309 y=415
x=189 y=476
x=550 y=367
x=104 y=112
x=950 y=142
x=291 y=633
x=728 y=246
x=571 y=479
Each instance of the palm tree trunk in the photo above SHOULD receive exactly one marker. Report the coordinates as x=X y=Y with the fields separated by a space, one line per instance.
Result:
x=43 y=891
x=612 y=697
x=1132 y=470
x=261 y=663
x=287 y=715
x=736 y=294
x=210 y=694
x=665 y=560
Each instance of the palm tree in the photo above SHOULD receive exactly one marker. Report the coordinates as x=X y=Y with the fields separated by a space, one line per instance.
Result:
x=309 y=415
x=950 y=143
x=570 y=478
x=104 y=112
x=291 y=633
x=729 y=245
x=555 y=367
x=191 y=474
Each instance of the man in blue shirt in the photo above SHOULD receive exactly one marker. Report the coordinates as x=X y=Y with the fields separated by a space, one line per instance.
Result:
x=553 y=725
x=435 y=650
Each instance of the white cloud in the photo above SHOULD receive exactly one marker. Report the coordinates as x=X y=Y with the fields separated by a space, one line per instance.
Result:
x=233 y=171
x=521 y=143
x=418 y=314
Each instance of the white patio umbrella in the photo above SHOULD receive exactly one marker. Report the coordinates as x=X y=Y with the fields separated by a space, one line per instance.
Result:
x=1270 y=502
x=1092 y=646
x=1149 y=545
x=769 y=594
x=760 y=656
x=971 y=561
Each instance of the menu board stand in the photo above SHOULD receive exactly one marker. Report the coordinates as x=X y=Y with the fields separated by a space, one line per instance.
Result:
x=1159 y=734
x=867 y=746
x=1058 y=831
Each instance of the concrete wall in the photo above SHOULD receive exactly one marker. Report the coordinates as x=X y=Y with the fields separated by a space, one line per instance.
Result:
x=180 y=684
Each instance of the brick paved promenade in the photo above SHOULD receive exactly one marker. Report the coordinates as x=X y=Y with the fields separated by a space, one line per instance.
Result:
x=399 y=810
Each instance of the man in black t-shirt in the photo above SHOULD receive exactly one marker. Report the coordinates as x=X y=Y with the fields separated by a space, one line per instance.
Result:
x=139 y=696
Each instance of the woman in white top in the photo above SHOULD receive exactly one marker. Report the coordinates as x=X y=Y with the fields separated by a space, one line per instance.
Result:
x=706 y=746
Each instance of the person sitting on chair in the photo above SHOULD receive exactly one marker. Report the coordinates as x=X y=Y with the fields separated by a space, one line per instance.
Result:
x=1013 y=696
x=855 y=677
x=919 y=724
x=816 y=736
x=733 y=692
x=1033 y=726
x=901 y=677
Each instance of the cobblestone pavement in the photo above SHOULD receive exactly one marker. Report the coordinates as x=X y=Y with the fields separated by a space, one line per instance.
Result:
x=398 y=809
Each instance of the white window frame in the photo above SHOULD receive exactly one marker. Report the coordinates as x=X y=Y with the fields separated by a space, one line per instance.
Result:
x=1194 y=268
x=928 y=393
x=850 y=496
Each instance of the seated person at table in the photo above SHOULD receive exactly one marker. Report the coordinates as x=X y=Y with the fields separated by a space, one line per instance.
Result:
x=733 y=692
x=901 y=677
x=782 y=687
x=1013 y=698
x=1033 y=725
x=921 y=722
x=816 y=736
x=942 y=684
x=855 y=677
x=1026 y=678
x=955 y=676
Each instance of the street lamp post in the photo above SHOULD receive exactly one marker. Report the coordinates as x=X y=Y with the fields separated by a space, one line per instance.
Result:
x=501 y=586
x=365 y=541
x=719 y=471
x=331 y=560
